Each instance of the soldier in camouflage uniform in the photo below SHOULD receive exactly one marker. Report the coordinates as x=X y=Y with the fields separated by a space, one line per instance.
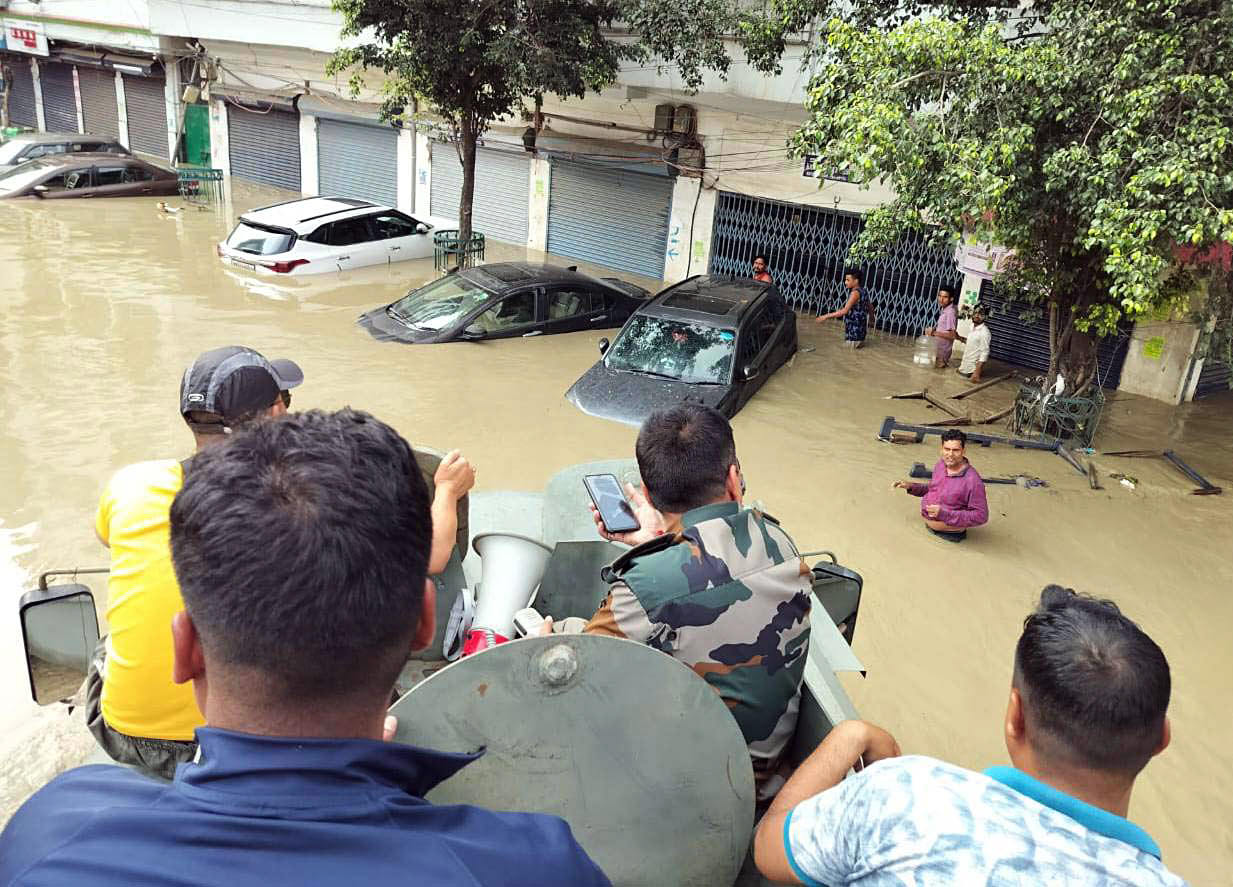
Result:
x=715 y=585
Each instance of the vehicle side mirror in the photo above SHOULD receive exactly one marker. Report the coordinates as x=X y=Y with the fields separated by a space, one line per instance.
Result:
x=603 y=345
x=59 y=631
x=474 y=331
x=749 y=373
x=40 y=190
x=421 y=228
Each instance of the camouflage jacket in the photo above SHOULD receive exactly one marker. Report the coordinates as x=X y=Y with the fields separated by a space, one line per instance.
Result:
x=729 y=596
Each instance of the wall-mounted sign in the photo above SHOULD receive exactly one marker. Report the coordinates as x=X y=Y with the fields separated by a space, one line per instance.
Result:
x=812 y=171
x=1153 y=348
x=24 y=36
x=981 y=260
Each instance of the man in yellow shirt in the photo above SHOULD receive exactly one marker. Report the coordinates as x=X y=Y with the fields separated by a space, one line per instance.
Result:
x=135 y=711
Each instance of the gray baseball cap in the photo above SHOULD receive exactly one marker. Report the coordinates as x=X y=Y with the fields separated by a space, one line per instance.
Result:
x=233 y=383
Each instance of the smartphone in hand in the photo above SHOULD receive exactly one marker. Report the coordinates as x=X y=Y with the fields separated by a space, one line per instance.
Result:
x=614 y=509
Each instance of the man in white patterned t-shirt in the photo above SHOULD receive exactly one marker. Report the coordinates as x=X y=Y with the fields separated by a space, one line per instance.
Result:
x=1086 y=713
x=977 y=343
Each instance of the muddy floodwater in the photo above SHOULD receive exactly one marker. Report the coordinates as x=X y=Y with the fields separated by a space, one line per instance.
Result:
x=104 y=302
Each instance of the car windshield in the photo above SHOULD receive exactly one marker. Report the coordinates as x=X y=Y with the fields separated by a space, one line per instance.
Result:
x=675 y=349
x=441 y=304
x=23 y=174
x=259 y=241
x=9 y=150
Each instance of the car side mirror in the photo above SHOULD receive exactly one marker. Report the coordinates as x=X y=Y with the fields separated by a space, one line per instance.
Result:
x=474 y=331
x=603 y=345
x=749 y=373
x=59 y=631
x=421 y=228
x=40 y=190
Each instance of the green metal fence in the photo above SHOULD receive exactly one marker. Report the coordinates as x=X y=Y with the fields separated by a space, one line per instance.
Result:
x=201 y=185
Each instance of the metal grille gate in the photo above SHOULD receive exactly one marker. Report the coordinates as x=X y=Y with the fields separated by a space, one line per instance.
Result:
x=807 y=247
x=1214 y=378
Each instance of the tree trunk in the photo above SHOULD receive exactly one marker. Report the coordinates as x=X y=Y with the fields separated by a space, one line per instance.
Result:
x=469 y=136
x=1076 y=360
x=1053 y=345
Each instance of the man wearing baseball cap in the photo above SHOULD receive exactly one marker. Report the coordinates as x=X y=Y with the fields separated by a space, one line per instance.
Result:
x=135 y=711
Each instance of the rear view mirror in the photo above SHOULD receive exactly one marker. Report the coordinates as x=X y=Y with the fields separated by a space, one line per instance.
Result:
x=40 y=190
x=421 y=228
x=474 y=331
x=59 y=631
x=749 y=373
x=603 y=345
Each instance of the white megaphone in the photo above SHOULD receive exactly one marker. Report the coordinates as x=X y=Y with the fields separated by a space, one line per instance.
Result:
x=512 y=568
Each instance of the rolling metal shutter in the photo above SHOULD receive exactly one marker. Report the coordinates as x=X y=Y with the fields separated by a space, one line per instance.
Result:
x=146 y=104
x=59 y=97
x=1027 y=345
x=22 y=110
x=356 y=160
x=499 y=209
x=614 y=218
x=265 y=146
x=98 y=102
x=1213 y=378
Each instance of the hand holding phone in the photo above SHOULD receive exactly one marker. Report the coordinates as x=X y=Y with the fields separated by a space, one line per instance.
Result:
x=614 y=509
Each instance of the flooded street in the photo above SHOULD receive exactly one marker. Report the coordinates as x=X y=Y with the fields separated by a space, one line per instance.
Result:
x=103 y=303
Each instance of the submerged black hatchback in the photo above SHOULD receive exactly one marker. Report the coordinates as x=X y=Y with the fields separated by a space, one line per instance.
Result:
x=502 y=300
x=709 y=340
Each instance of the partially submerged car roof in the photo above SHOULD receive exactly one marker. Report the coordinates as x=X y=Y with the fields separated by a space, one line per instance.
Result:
x=500 y=276
x=86 y=158
x=306 y=213
x=707 y=299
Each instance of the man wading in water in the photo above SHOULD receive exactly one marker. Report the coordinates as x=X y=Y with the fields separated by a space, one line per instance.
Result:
x=955 y=498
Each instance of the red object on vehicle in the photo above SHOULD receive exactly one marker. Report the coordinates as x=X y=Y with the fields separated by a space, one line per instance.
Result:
x=481 y=639
x=285 y=267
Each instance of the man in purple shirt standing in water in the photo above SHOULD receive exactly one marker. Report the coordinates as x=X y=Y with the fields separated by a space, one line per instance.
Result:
x=955 y=498
x=948 y=323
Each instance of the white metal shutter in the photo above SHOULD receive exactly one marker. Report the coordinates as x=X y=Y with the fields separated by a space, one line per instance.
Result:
x=98 y=102
x=265 y=146
x=146 y=103
x=499 y=208
x=355 y=160
x=59 y=98
x=614 y=218
x=22 y=110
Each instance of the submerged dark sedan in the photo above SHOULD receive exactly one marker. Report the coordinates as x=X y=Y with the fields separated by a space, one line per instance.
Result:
x=87 y=175
x=505 y=299
x=709 y=340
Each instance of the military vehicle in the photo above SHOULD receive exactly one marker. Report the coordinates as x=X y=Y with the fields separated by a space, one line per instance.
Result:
x=631 y=747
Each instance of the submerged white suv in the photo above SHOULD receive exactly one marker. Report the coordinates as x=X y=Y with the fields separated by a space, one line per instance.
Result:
x=319 y=234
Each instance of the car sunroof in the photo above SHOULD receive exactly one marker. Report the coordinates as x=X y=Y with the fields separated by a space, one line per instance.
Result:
x=506 y=273
x=687 y=301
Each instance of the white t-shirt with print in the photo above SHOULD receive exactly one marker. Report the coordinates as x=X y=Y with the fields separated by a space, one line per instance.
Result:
x=976 y=351
x=922 y=822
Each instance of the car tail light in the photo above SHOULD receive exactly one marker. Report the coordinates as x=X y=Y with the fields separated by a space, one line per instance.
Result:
x=285 y=267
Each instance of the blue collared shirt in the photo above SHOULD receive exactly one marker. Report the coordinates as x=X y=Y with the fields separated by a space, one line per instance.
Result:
x=257 y=811
x=915 y=820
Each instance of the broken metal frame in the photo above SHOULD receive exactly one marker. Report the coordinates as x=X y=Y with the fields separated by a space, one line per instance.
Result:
x=889 y=424
x=1204 y=488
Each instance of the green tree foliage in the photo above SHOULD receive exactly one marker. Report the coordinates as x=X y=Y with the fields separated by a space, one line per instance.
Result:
x=1093 y=137
x=476 y=61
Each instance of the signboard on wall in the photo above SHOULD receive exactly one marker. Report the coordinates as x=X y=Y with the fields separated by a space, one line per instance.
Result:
x=980 y=259
x=24 y=36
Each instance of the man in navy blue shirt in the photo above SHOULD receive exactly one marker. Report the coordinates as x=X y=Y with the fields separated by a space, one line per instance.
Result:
x=301 y=548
